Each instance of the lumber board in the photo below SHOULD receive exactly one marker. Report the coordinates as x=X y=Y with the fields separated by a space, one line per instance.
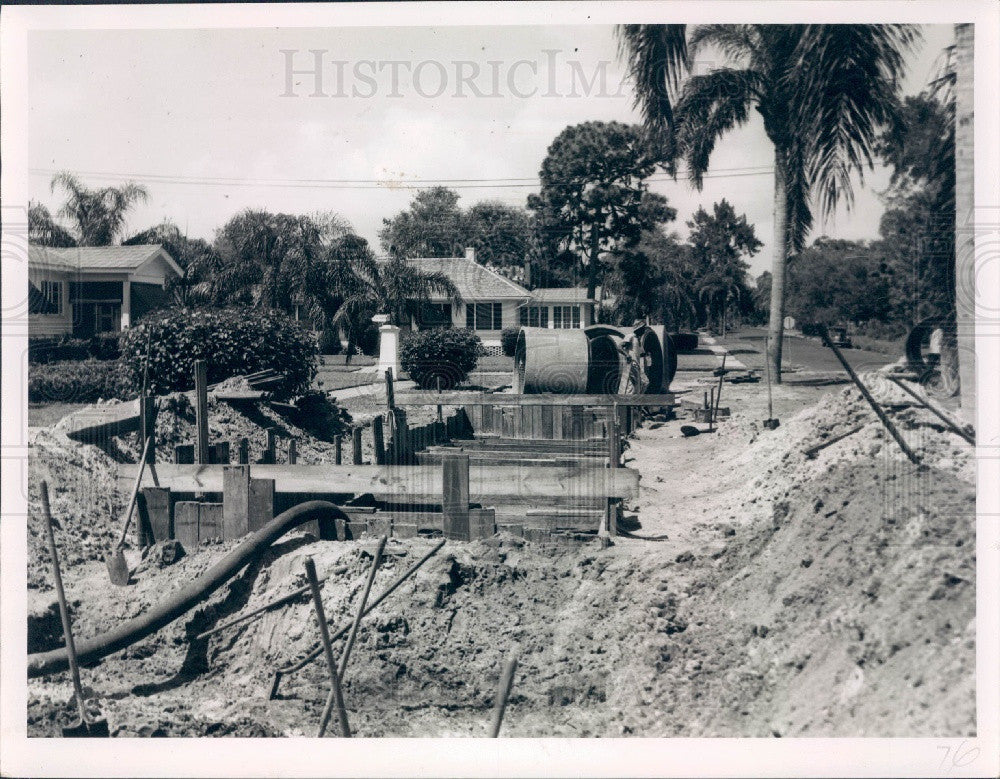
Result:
x=474 y=399
x=491 y=443
x=405 y=483
x=539 y=459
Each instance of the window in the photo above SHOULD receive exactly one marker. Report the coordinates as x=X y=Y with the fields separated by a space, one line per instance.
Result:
x=434 y=315
x=52 y=294
x=566 y=317
x=534 y=316
x=484 y=316
x=107 y=318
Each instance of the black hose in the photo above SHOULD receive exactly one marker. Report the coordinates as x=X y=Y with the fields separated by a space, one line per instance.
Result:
x=193 y=593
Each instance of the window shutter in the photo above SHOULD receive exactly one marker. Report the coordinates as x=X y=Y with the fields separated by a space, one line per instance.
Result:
x=498 y=316
x=470 y=316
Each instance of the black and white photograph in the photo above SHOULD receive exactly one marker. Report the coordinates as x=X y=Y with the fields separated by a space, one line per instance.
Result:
x=555 y=373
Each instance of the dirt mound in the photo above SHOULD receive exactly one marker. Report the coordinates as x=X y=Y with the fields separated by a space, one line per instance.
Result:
x=85 y=505
x=824 y=597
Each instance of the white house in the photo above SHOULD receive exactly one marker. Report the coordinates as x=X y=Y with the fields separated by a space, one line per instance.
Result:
x=85 y=290
x=491 y=302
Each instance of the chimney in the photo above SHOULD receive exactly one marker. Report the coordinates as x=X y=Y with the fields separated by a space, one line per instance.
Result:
x=470 y=253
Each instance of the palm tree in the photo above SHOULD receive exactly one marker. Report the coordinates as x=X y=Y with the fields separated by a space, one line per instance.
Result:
x=98 y=215
x=368 y=286
x=825 y=93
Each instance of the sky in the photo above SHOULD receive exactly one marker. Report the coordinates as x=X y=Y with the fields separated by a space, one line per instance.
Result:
x=212 y=121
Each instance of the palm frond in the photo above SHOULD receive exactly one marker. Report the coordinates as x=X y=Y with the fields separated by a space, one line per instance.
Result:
x=710 y=106
x=845 y=83
x=741 y=43
x=656 y=56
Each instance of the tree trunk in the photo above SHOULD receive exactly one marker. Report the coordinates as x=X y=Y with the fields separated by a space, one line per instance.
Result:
x=595 y=246
x=777 y=320
x=965 y=238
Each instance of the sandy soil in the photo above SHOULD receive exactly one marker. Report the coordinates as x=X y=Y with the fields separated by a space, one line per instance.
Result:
x=783 y=597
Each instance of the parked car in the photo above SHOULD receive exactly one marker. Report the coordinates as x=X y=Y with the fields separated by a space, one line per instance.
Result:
x=839 y=337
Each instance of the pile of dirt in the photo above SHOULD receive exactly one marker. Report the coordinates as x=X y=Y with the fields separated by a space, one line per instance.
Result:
x=840 y=598
x=824 y=597
x=86 y=508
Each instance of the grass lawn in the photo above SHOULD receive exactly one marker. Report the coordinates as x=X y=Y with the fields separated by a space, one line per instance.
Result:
x=495 y=364
x=45 y=414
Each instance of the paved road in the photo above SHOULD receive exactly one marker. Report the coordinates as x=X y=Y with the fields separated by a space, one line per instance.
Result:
x=806 y=353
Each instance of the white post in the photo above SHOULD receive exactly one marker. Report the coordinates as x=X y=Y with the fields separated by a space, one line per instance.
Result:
x=388 y=345
x=126 y=304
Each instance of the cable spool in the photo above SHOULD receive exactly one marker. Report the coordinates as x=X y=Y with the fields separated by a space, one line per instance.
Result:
x=552 y=360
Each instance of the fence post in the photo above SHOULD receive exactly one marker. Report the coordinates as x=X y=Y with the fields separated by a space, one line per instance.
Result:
x=244 y=451
x=201 y=410
x=269 y=447
x=293 y=454
x=455 y=497
x=390 y=395
x=356 y=440
x=378 y=440
x=235 y=501
x=147 y=425
x=338 y=447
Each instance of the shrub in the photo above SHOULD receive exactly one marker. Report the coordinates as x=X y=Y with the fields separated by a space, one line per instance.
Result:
x=47 y=350
x=508 y=340
x=446 y=354
x=329 y=342
x=105 y=346
x=233 y=341
x=74 y=381
x=368 y=340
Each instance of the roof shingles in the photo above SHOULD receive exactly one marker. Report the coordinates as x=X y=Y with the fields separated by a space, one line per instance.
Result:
x=92 y=257
x=474 y=281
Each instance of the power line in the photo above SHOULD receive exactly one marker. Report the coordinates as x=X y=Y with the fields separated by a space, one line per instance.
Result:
x=407 y=184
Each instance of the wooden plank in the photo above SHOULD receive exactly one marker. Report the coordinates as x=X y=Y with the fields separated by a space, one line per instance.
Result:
x=293 y=452
x=482 y=523
x=506 y=427
x=184 y=454
x=546 y=424
x=455 y=497
x=577 y=432
x=390 y=394
x=472 y=399
x=218 y=454
x=598 y=446
x=406 y=482
x=557 y=423
x=209 y=521
x=482 y=418
x=186 y=524
x=201 y=411
x=537 y=459
x=269 y=447
x=147 y=424
x=378 y=439
x=235 y=501
x=356 y=444
x=159 y=504
x=260 y=502
x=244 y=452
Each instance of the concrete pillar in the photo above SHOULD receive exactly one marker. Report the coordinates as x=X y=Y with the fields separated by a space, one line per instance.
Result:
x=126 y=304
x=388 y=345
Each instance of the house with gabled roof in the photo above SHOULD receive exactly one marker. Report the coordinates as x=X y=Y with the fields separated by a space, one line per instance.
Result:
x=86 y=290
x=492 y=302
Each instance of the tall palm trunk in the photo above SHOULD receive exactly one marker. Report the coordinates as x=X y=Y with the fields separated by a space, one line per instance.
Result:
x=777 y=321
x=595 y=246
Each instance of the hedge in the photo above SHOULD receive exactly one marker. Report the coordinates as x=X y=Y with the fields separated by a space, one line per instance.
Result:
x=46 y=350
x=74 y=381
x=508 y=340
x=448 y=355
x=233 y=341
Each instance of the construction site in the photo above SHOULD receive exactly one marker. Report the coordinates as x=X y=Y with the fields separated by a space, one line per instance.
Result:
x=621 y=538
